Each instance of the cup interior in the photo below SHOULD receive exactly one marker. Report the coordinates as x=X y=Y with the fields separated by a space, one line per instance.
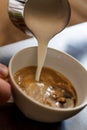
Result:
x=58 y=61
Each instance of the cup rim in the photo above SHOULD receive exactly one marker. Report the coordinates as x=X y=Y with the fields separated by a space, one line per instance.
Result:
x=36 y=102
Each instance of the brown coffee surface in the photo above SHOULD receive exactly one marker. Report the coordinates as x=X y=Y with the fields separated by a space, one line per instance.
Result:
x=53 y=89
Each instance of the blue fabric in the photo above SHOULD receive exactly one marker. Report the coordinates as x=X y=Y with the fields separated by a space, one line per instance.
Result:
x=72 y=40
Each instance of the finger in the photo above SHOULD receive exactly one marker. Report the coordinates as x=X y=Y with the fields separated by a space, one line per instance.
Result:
x=3 y=71
x=5 y=91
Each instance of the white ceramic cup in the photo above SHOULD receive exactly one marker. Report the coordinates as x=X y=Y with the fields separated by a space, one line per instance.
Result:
x=59 y=61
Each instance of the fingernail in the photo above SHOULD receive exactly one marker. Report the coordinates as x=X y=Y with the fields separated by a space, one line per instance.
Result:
x=3 y=71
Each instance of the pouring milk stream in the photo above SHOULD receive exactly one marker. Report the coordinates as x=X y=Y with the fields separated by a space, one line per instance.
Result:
x=45 y=19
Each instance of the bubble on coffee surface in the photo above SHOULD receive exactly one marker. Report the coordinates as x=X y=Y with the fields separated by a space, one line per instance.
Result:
x=53 y=89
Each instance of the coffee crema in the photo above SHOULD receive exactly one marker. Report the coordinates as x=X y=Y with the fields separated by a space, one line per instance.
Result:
x=53 y=88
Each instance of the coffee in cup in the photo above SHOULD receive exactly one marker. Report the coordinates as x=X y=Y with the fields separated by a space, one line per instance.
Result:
x=53 y=89
x=56 y=61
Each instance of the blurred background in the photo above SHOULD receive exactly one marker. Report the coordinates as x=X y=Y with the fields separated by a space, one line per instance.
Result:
x=10 y=34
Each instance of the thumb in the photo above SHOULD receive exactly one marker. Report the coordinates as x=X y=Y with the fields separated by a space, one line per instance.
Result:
x=3 y=71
